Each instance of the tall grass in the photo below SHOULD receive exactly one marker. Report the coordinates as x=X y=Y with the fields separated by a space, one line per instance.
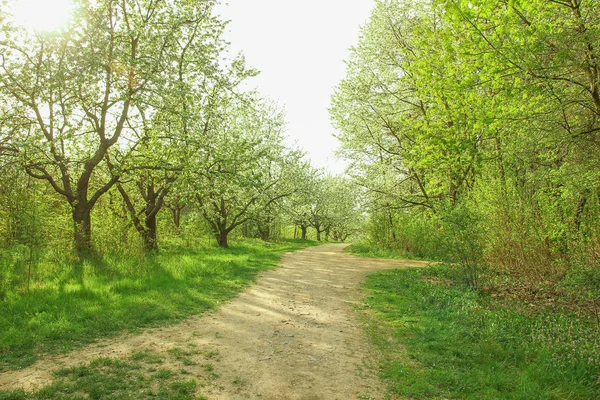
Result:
x=68 y=305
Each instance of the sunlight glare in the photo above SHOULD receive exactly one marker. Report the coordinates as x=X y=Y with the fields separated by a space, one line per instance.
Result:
x=42 y=15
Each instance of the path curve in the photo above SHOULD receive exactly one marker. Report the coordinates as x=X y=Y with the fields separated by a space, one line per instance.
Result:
x=292 y=335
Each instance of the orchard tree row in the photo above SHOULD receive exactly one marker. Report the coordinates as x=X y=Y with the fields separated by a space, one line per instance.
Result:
x=474 y=129
x=135 y=108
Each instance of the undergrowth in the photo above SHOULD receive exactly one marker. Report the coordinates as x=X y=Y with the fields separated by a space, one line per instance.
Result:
x=368 y=250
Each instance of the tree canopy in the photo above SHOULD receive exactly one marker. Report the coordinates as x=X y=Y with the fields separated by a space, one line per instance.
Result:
x=487 y=109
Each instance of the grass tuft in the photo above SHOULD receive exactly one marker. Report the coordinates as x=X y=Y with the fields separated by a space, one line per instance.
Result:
x=105 y=378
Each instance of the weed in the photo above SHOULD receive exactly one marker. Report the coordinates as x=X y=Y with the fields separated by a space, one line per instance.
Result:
x=163 y=374
x=210 y=369
x=238 y=381
x=148 y=357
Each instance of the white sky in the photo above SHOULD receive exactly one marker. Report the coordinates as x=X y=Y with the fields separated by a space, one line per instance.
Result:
x=299 y=47
x=42 y=15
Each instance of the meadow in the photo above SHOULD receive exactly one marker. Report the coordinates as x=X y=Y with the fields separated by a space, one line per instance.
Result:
x=440 y=339
x=62 y=307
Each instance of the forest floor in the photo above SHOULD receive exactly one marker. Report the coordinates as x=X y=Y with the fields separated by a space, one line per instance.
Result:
x=295 y=334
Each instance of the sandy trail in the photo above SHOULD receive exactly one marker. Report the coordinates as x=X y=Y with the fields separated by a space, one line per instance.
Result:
x=292 y=335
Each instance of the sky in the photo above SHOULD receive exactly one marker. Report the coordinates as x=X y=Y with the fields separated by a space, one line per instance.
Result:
x=299 y=47
x=41 y=14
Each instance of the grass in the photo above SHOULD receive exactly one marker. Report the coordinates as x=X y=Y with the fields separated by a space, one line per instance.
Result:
x=368 y=250
x=137 y=377
x=183 y=355
x=66 y=307
x=442 y=340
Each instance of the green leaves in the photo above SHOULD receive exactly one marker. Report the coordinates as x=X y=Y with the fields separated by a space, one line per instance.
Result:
x=491 y=102
x=139 y=96
x=241 y=167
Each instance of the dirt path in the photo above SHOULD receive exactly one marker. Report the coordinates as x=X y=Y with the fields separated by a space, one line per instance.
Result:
x=292 y=335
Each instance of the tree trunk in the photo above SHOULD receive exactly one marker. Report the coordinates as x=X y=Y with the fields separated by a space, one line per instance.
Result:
x=82 y=224
x=264 y=233
x=222 y=239
x=304 y=229
x=579 y=211
x=176 y=217
x=154 y=202
x=150 y=233
x=318 y=235
x=391 y=222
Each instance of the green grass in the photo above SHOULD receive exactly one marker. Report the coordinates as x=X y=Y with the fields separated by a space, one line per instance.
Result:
x=66 y=307
x=135 y=378
x=441 y=340
x=368 y=250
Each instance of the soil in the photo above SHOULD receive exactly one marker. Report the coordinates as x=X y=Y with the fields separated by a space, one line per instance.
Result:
x=295 y=334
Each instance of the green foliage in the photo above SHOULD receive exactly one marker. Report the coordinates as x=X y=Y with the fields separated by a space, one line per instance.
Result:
x=442 y=340
x=406 y=234
x=475 y=137
x=130 y=109
x=453 y=234
x=462 y=240
x=244 y=171
x=366 y=249
x=69 y=305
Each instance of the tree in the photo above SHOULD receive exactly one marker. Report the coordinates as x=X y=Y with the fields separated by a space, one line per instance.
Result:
x=298 y=205
x=244 y=167
x=78 y=96
x=183 y=109
x=410 y=145
x=346 y=217
x=333 y=208
x=540 y=66
x=290 y=168
x=487 y=106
